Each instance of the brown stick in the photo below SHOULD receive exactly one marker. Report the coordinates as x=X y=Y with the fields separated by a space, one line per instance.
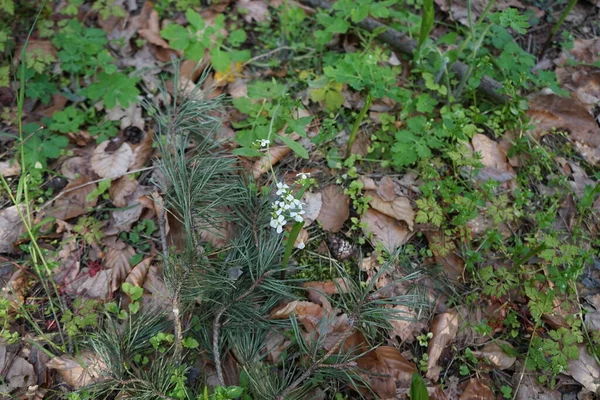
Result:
x=401 y=42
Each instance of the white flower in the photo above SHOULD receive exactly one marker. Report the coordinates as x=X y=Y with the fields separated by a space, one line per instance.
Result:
x=299 y=218
x=300 y=245
x=281 y=188
x=263 y=142
x=303 y=175
x=278 y=223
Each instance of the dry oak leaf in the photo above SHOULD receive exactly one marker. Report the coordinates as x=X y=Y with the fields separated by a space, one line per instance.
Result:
x=386 y=189
x=142 y=149
x=388 y=368
x=75 y=167
x=96 y=287
x=444 y=328
x=408 y=327
x=74 y=202
x=312 y=207
x=118 y=260
x=551 y=111
x=399 y=208
x=585 y=370
x=308 y=313
x=476 y=390
x=493 y=158
x=494 y=355
x=385 y=230
x=121 y=188
x=11 y=228
x=80 y=372
x=253 y=10
x=335 y=208
x=10 y=168
x=17 y=373
x=137 y=276
x=276 y=154
x=111 y=164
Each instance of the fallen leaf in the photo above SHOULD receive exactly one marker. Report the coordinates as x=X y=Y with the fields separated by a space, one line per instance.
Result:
x=95 y=287
x=443 y=249
x=444 y=328
x=458 y=9
x=582 y=79
x=75 y=167
x=531 y=390
x=385 y=370
x=118 y=259
x=550 y=111
x=10 y=168
x=80 y=372
x=253 y=10
x=14 y=291
x=142 y=148
x=312 y=207
x=385 y=230
x=11 y=228
x=276 y=154
x=476 y=390
x=74 y=202
x=111 y=164
x=335 y=208
x=130 y=116
x=156 y=296
x=309 y=314
x=399 y=208
x=137 y=276
x=121 y=188
x=17 y=373
x=585 y=370
x=121 y=220
x=386 y=189
x=495 y=355
x=36 y=48
x=494 y=159
x=408 y=327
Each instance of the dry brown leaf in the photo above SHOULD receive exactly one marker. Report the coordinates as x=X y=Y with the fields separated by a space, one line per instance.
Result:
x=121 y=188
x=10 y=168
x=277 y=153
x=17 y=373
x=111 y=164
x=118 y=260
x=398 y=366
x=531 y=390
x=407 y=328
x=452 y=263
x=385 y=230
x=238 y=89
x=399 y=208
x=494 y=355
x=155 y=292
x=335 y=208
x=135 y=203
x=582 y=78
x=444 y=328
x=14 y=291
x=253 y=10
x=493 y=158
x=386 y=189
x=142 y=149
x=137 y=276
x=96 y=287
x=35 y=48
x=131 y=116
x=11 y=228
x=74 y=201
x=386 y=370
x=476 y=390
x=75 y=167
x=551 y=111
x=585 y=370
x=80 y=372
x=458 y=8
x=309 y=314
x=312 y=207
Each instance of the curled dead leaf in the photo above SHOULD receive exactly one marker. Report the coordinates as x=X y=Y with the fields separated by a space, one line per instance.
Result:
x=312 y=207
x=309 y=314
x=494 y=159
x=10 y=168
x=253 y=10
x=74 y=202
x=476 y=390
x=111 y=164
x=137 y=276
x=585 y=370
x=398 y=208
x=118 y=260
x=335 y=208
x=494 y=354
x=444 y=328
x=75 y=167
x=121 y=188
x=276 y=154
x=11 y=227
x=17 y=372
x=80 y=372
x=385 y=230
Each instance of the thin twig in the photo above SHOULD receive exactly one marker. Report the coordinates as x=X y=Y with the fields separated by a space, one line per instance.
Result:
x=308 y=373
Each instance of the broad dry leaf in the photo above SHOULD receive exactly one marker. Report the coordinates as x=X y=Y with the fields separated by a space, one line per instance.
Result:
x=386 y=189
x=14 y=291
x=335 y=208
x=409 y=326
x=444 y=250
x=253 y=10
x=398 y=366
x=75 y=167
x=264 y=164
x=74 y=202
x=137 y=276
x=308 y=313
x=531 y=390
x=399 y=208
x=312 y=207
x=121 y=188
x=17 y=373
x=156 y=296
x=142 y=150
x=585 y=370
x=493 y=157
x=582 y=78
x=551 y=111
x=111 y=164
x=476 y=390
x=121 y=220
x=130 y=116
x=494 y=355
x=118 y=260
x=385 y=230
x=11 y=228
x=457 y=9
x=80 y=372
x=444 y=328
x=36 y=48
x=10 y=168
x=96 y=287
x=385 y=370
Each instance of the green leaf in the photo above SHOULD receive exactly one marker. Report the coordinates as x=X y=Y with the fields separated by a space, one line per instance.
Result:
x=190 y=343
x=427 y=21
x=295 y=146
x=177 y=35
x=418 y=390
x=220 y=60
x=195 y=19
x=236 y=37
x=247 y=152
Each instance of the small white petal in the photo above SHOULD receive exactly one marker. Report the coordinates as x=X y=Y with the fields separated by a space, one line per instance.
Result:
x=279 y=229
x=300 y=245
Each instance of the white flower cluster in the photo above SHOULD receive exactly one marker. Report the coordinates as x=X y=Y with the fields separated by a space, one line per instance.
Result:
x=285 y=208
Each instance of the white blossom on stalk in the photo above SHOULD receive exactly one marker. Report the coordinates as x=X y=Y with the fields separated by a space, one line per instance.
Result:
x=300 y=245
x=286 y=207
x=263 y=142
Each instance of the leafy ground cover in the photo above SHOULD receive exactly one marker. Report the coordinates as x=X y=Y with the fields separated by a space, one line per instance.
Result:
x=299 y=199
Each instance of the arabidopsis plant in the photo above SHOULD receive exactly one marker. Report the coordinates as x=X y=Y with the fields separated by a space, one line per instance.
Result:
x=263 y=142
